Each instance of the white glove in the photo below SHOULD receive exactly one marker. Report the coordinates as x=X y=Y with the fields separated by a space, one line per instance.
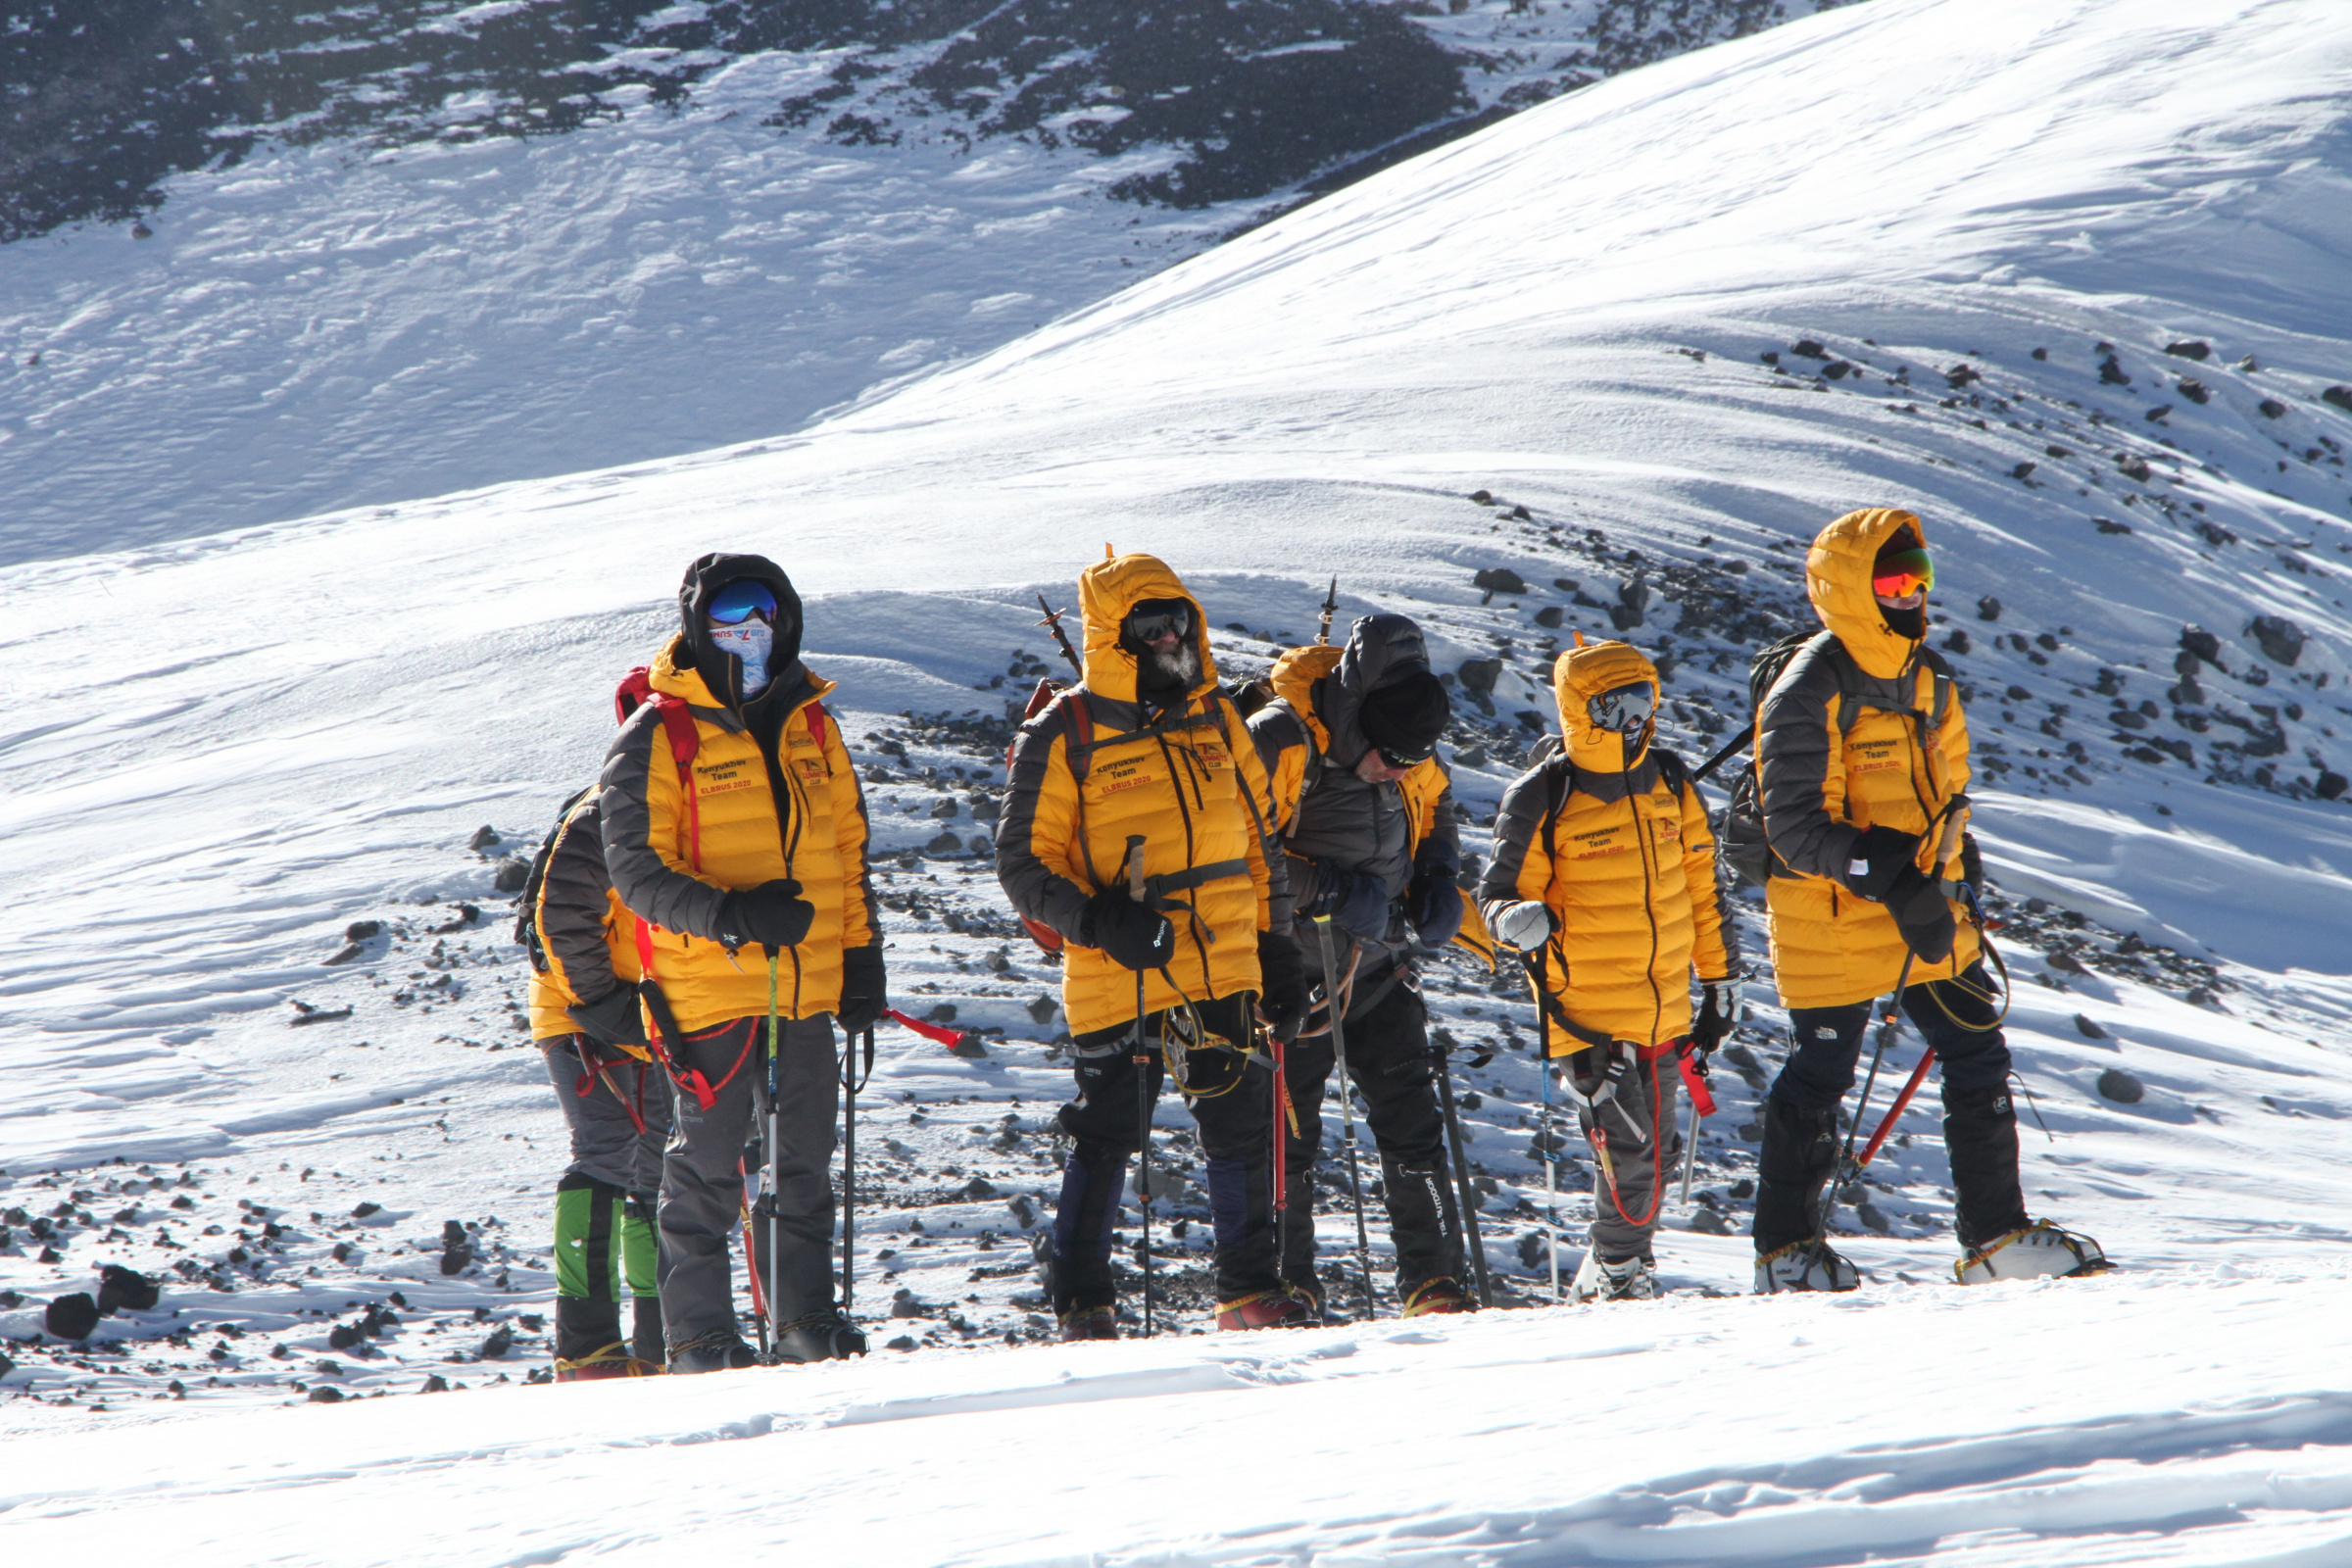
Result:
x=1524 y=925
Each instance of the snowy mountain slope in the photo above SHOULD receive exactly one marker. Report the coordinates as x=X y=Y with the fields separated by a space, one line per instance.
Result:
x=234 y=746
x=424 y=246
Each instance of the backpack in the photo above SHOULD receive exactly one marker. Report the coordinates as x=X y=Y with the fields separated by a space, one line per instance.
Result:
x=526 y=904
x=1740 y=830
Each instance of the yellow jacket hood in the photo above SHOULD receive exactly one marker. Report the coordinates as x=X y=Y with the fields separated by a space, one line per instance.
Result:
x=1584 y=673
x=1106 y=592
x=1837 y=581
x=1294 y=679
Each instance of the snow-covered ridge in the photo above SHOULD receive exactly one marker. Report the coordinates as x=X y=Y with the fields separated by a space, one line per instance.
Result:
x=231 y=747
x=428 y=245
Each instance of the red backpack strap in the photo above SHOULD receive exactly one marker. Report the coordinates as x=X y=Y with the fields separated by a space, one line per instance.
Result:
x=677 y=722
x=816 y=725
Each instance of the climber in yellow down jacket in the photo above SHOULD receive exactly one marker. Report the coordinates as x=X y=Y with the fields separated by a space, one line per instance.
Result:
x=1604 y=873
x=1142 y=781
x=1862 y=771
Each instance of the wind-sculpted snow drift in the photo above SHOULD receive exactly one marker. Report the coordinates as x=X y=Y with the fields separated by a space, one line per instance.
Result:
x=1603 y=368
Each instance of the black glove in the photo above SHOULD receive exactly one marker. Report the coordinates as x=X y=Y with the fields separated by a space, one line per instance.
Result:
x=1437 y=910
x=1879 y=855
x=1718 y=1013
x=613 y=1019
x=1922 y=914
x=864 y=991
x=772 y=914
x=1357 y=903
x=1972 y=863
x=1283 y=998
x=1133 y=935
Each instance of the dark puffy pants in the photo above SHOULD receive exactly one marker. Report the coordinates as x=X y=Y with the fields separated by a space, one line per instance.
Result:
x=1389 y=1062
x=1628 y=1122
x=1104 y=1125
x=1959 y=1019
x=605 y=1201
x=702 y=1188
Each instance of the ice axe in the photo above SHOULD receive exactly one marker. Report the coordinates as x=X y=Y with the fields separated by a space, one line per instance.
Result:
x=959 y=1041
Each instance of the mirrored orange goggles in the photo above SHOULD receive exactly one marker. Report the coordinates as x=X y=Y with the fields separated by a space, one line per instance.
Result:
x=1899 y=576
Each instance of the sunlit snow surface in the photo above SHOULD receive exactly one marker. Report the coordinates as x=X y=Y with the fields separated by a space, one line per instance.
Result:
x=224 y=750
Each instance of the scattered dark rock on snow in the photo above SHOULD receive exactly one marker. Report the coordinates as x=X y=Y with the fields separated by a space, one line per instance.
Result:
x=1480 y=674
x=2196 y=641
x=1988 y=608
x=500 y=1342
x=1804 y=348
x=457 y=1247
x=2280 y=639
x=2064 y=962
x=1500 y=580
x=2133 y=468
x=2339 y=396
x=343 y=1336
x=2189 y=350
x=2331 y=785
x=2042 y=354
x=2155 y=416
x=975 y=1190
x=2194 y=390
x=72 y=1317
x=325 y=1394
x=1483 y=498
x=2121 y=1087
x=1707 y=1222
x=1960 y=376
x=1957 y=642
x=2271 y=409
x=362 y=1210
x=2111 y=373
x=512 y=874
x=2024 y=470
x=483 y=838
x=303 y=1014
x=2089 y=1027
x=1550 y=616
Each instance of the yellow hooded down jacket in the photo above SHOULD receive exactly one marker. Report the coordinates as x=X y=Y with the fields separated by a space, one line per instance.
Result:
x=1626 y=868
x=1825 y=774
x=587 y=937
x=674 y=858
x=1185 y=779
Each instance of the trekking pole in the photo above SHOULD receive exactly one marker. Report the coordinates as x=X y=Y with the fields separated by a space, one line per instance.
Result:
x=751 y=1261
x=852 y=1080
x=1141 y=1057
x=1472 y=1237
x=1332 y=1008
x=1549 y=1136
x=1740 y=743
x=774 y=1333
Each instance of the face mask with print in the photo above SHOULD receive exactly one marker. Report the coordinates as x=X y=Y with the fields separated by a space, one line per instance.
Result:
x=751 y=642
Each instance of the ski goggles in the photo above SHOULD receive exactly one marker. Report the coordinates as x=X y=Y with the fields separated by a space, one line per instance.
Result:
x=1397 y=758
x=741 y=600
x=1151 y=625
x=1902 y=574
x=1624 y=709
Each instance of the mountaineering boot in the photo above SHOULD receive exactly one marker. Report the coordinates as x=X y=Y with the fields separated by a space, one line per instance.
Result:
x=1806 y=1265
x=822 y=1336
x=1628 y=1279
x=1431 y=1299
x=1281 y=1309
x=1800 y=1147
x=2040 y=1250
x=1090 y=1323
x=613 y=1361
x=719 y=1350
x=1980 y=1133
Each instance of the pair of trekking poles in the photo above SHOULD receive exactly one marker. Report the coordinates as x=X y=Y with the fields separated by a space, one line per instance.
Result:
x=855 y=1069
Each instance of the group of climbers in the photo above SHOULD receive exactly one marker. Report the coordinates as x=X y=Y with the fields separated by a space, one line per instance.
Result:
x=702 y=921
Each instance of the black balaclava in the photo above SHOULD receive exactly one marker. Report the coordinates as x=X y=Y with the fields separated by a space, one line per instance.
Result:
x=1910 y=623
x=1163 y=682
x=722 y=672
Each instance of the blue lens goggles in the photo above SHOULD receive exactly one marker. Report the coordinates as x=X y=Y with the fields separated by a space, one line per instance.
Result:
x=739 y=602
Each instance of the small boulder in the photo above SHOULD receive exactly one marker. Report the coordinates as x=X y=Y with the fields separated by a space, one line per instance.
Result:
x=1480 y=674
x=2194 y=390
x=2024 y=470
x=2111 y=373
x=2190 y=350
x=2338 y=397
x=325 y=1394
x=1707 y=1222
x=2271 y=409
x=1804 y=348
x=1500 y=580
x=483 y=838
x=457 y=1247
x=513 y=875
x=1483 y=498
x=2203 y=644
x=1872 y=1216
x=122 y=1289
x=1550 y=615
x=72 y=1317
x=2280 y=639
x=1988 y=608
x=2089 y=1027
x=2121 y=1087
x=500 y=1342
x=2331 y=785
x=363 y=930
